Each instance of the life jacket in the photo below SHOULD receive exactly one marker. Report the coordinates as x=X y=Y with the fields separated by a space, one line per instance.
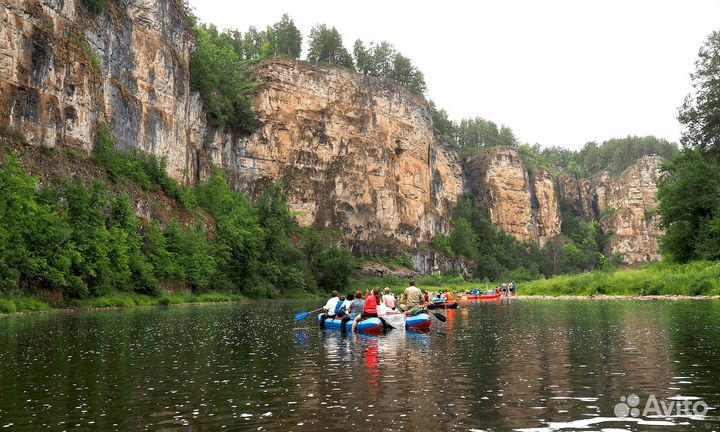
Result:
x=370 y=304
x=448 y=297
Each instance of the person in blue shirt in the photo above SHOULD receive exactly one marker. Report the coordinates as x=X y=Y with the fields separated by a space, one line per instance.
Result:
x=342 y=306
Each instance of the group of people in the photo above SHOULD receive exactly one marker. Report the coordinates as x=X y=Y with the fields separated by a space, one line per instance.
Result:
x=506 y=289
x=355 y=308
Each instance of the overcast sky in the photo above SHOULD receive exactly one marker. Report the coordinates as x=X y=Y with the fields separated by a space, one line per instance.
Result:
x=557 y=72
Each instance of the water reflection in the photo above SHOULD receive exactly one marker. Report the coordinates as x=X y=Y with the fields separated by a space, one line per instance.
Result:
x=512 y=364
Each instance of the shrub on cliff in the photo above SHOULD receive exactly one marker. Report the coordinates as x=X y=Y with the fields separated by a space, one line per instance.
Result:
x=218 y=73
x=95 y=7
x=142 y=169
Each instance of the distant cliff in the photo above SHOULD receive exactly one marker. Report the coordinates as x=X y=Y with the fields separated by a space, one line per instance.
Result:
x=521 y=202
x=354 y=153
x=526 y=203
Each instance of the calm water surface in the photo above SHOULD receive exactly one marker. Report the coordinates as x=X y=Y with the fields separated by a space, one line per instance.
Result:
x=513 y=365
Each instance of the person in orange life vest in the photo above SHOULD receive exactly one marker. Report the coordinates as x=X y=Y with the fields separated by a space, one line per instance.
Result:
x=446 y=296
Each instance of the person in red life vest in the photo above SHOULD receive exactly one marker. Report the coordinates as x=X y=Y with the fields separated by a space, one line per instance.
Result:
x=370 y=309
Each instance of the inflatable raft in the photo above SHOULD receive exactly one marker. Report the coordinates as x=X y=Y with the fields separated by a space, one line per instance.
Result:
x=419 y=322
x=369 y=326
x=373 y=326
x=482 y=297
x=437 y=304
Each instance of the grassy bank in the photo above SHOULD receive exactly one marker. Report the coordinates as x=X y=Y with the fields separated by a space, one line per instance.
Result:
x=694 y=279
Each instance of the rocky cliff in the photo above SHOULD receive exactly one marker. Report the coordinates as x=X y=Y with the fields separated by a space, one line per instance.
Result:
x=623 y=205
x=63 y=73
x=522 y=203
x=526 y=203
x=355 y=153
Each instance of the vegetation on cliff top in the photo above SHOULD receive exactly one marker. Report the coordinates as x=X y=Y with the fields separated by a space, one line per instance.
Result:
x=219 y=66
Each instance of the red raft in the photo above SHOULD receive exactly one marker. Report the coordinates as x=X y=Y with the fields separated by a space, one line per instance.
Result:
x=482 y=297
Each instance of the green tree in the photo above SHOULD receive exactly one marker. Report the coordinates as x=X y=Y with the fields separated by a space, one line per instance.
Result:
x=700 y=112
x=285 y=38
x=446 y=127
x=252 y=44
x=689 y=189
x=363 y=60
x=326 y=46
x=35 y=240
x=463 y=239
x=689 y=205
x=217 y=72
x=404 y=73
x=382 y=55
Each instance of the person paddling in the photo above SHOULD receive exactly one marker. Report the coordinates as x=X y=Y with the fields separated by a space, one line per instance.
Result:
x=329 y=308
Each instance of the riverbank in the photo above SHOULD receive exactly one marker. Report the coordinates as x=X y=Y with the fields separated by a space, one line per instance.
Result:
x=694 y=280
x=18 y=305
x=616 y=297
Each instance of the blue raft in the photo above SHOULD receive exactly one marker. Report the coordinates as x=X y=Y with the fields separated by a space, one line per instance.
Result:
x=419 y=322
x=371 y=326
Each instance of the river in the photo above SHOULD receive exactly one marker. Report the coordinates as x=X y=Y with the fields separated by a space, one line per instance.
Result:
x=530 y=365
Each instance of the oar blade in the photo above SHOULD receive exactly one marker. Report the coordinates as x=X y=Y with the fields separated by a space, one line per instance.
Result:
x=301 y=316
x=440 y=317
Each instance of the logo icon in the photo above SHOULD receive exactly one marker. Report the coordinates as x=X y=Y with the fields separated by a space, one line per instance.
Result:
x=628 y=406
x=680 y=406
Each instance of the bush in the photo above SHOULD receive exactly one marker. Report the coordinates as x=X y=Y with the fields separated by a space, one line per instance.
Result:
x=95 y=7
x=7 y=306
x=164 y=301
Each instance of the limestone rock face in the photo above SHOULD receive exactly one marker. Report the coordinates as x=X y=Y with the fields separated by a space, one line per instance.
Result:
x=62 y=74
x=624 y=205
x=521 y=203
x=353 y=152
x=629 y=201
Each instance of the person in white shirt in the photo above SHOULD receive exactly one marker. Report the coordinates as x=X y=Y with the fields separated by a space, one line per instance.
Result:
x=329 y=308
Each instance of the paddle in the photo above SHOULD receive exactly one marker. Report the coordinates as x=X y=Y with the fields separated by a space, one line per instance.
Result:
x=439 y=316
x=302 y=315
